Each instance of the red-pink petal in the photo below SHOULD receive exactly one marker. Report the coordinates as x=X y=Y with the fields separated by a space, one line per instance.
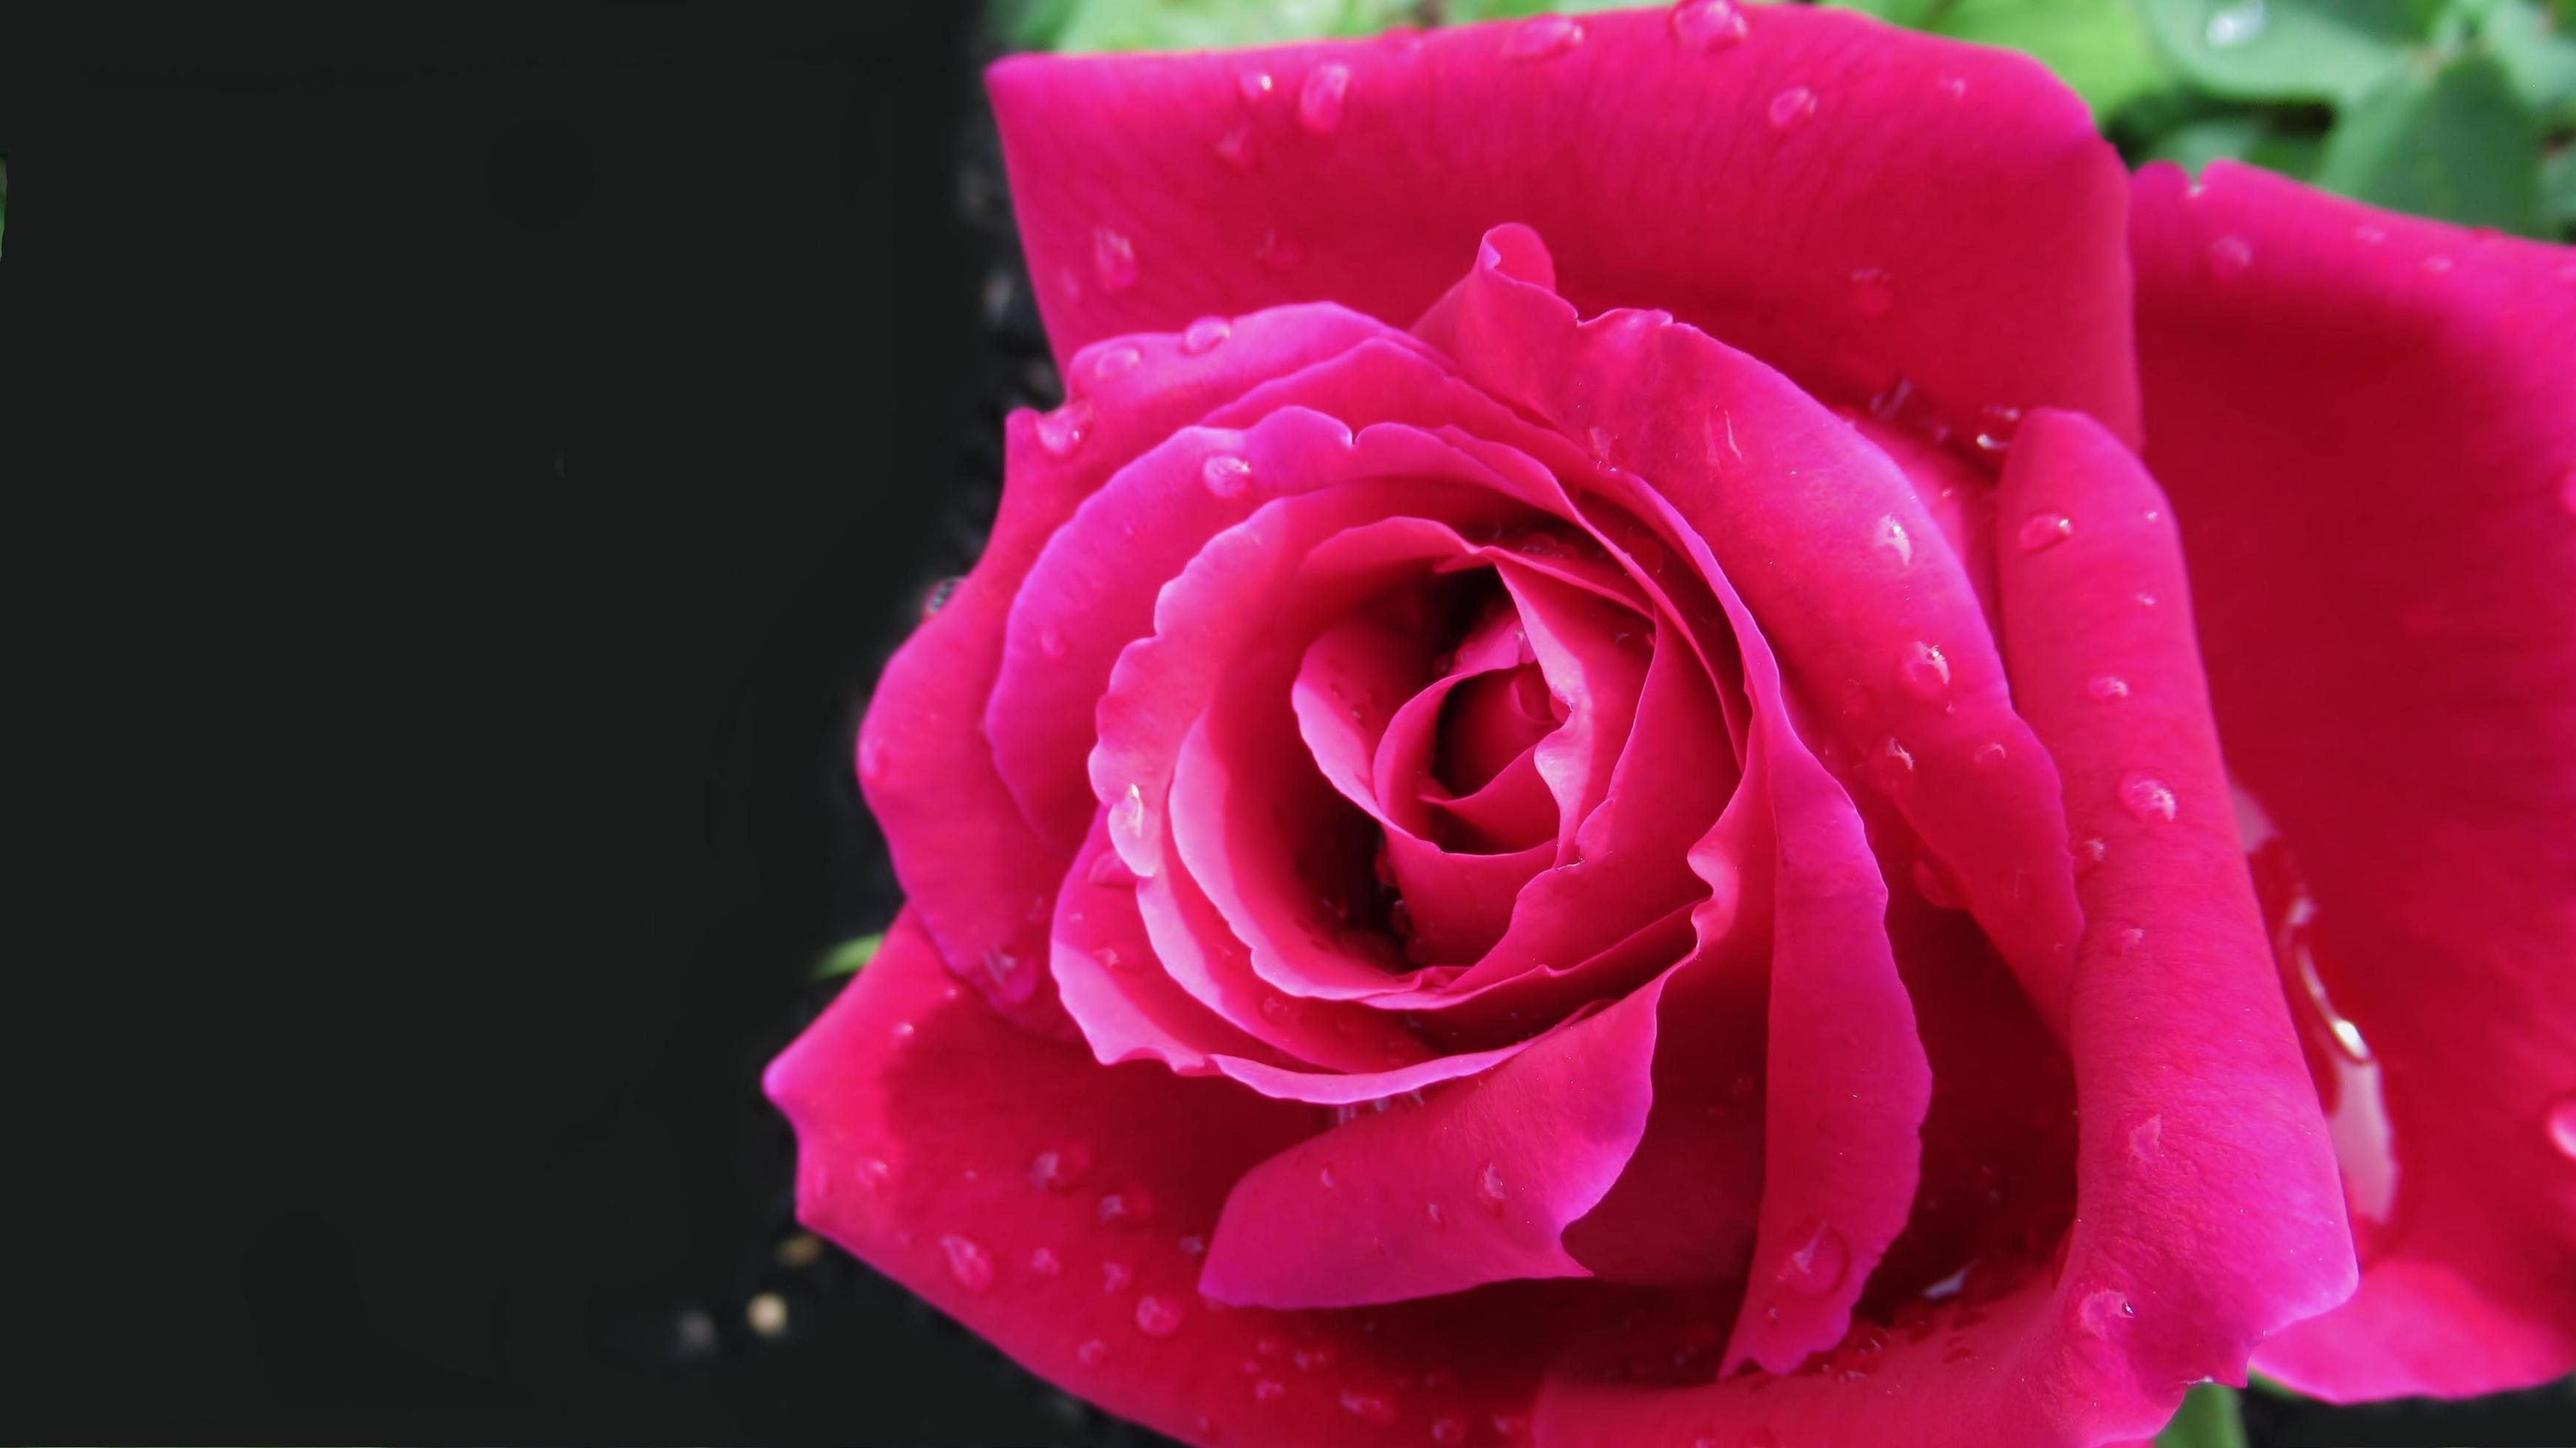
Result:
x=1973 y=245
x=2369 y=432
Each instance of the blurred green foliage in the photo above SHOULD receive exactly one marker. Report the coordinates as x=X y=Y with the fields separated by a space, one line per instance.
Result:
x=2459 y=109
x=2208 y=1418
x=849 y=957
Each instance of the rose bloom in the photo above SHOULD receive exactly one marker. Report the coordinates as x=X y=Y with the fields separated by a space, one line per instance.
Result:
x=1598 y=786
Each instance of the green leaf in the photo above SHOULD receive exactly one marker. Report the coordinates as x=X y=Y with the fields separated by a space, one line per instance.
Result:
x=2207 y=1419
x=2558 y=187
x=2453 y=142
x=2281 y=50
x=1030 y=24
x=2538 y=56
x=850 y=957
x=2098 y=47
x=2271 y=1387
x=1094 y=25
x=2246 y=136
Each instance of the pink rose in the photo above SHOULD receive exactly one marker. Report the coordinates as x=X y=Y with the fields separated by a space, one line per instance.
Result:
x=1488 y=866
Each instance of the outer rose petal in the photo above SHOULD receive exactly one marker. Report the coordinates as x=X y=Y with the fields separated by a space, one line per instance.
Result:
x=1856 y=203
x=2209 y=1213
x=2368 y=425
x=920 y=1150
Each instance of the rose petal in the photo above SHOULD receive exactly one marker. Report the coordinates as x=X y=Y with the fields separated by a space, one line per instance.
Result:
x=1977 y=253
x=2369 y=432
x=924 y=1159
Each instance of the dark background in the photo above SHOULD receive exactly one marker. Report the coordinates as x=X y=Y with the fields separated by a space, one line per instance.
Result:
x=463 y=473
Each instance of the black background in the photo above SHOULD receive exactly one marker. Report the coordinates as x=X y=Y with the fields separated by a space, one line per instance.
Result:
x=462 y=474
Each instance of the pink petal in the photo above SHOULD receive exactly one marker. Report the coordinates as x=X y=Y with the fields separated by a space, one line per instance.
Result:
x=1973 y=245
x=969 y=1161
x=1900 y=647
x=2369 y=432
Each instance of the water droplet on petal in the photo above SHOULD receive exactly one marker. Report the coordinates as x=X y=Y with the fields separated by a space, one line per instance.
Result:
x=2044 y=530
x=2104 y=688
x=1113 y=259
x=1234 y=148
x=2369 y=235
x=2231 y=26
x=1370 y=1407
x=1817 y=1261
x=1489 y=1186
x=1060 y=1168
x=1792 y=107
x=2127 y=939
x=1269 y=1390
x=968 y=1262
x=2146 y=1139
x=1225 y=474
x=1277 y=252
x=1450 y=1430
x=1873 y=291
x=1063 y=430
x=1204 y=334
x=1132 y=1208
x=1990 y=754
x=1108 y=872
x=1924 y=671
x=1127 y=818
x=873 y=1175
x=2562 y=1127
x=1954 y=88
x=1050 y=642
x=1431 y=1213
x=2089 y=855
x=1156 y=1317
x=1706 y=25
x=872 y=759
x=1321 y=98
x=2230 y=257
x=1092 y=1353
x=1542 y=37
x=1044 y=1262
x=1116 y=362
x=2147 y=797
x=2437 y=264
x=1891 y=535
x=2105 y=1312
x=1324 y=1177
x=944 y=590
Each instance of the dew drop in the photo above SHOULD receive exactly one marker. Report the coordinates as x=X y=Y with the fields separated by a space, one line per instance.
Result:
x=2437 y=264
x=1156 y=1317
x=1116 y=362
x=2147 y=797
x=1324 y=1177
x=1489 y=1186
x=1127 y=818
x=1050 y=642
x=1542 y=37
x=1451 y=1430
x=2229 y=257
x=1203 y=335
x=2089 y=855
x=2044 y=530
x=2146 y=1139
x=1369 y=1407
x=1990 y=755
x=2105 y=1312
x=1255 y=85
x=1924 y=671
x=2105 y=688
x=1321 y=98
x=1891 y=535
x=1818 y=1261
x=1114 y=1277
x=872 y=760
x=2127 y=939
x=1954 y=88
x=2562 y=1127
x=1092 y=1353
x=1108 y=871
x=968 y=1262
x=903 y=1031
x=1277 y=252
x=873 y=1174
x=1431 y=1213
x=1113 y=260
x=1234 y=148
x=1873 y=291
x=2369 y=235
x=1132 y=1208
x=938 y=596
x=1063 y=430
x=2232 y=26
x=1044 y=1262
x=1706 y=25
x=1225 y=474
x=1269 y=1390
x=1060 y=1168
x=1792 y=107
